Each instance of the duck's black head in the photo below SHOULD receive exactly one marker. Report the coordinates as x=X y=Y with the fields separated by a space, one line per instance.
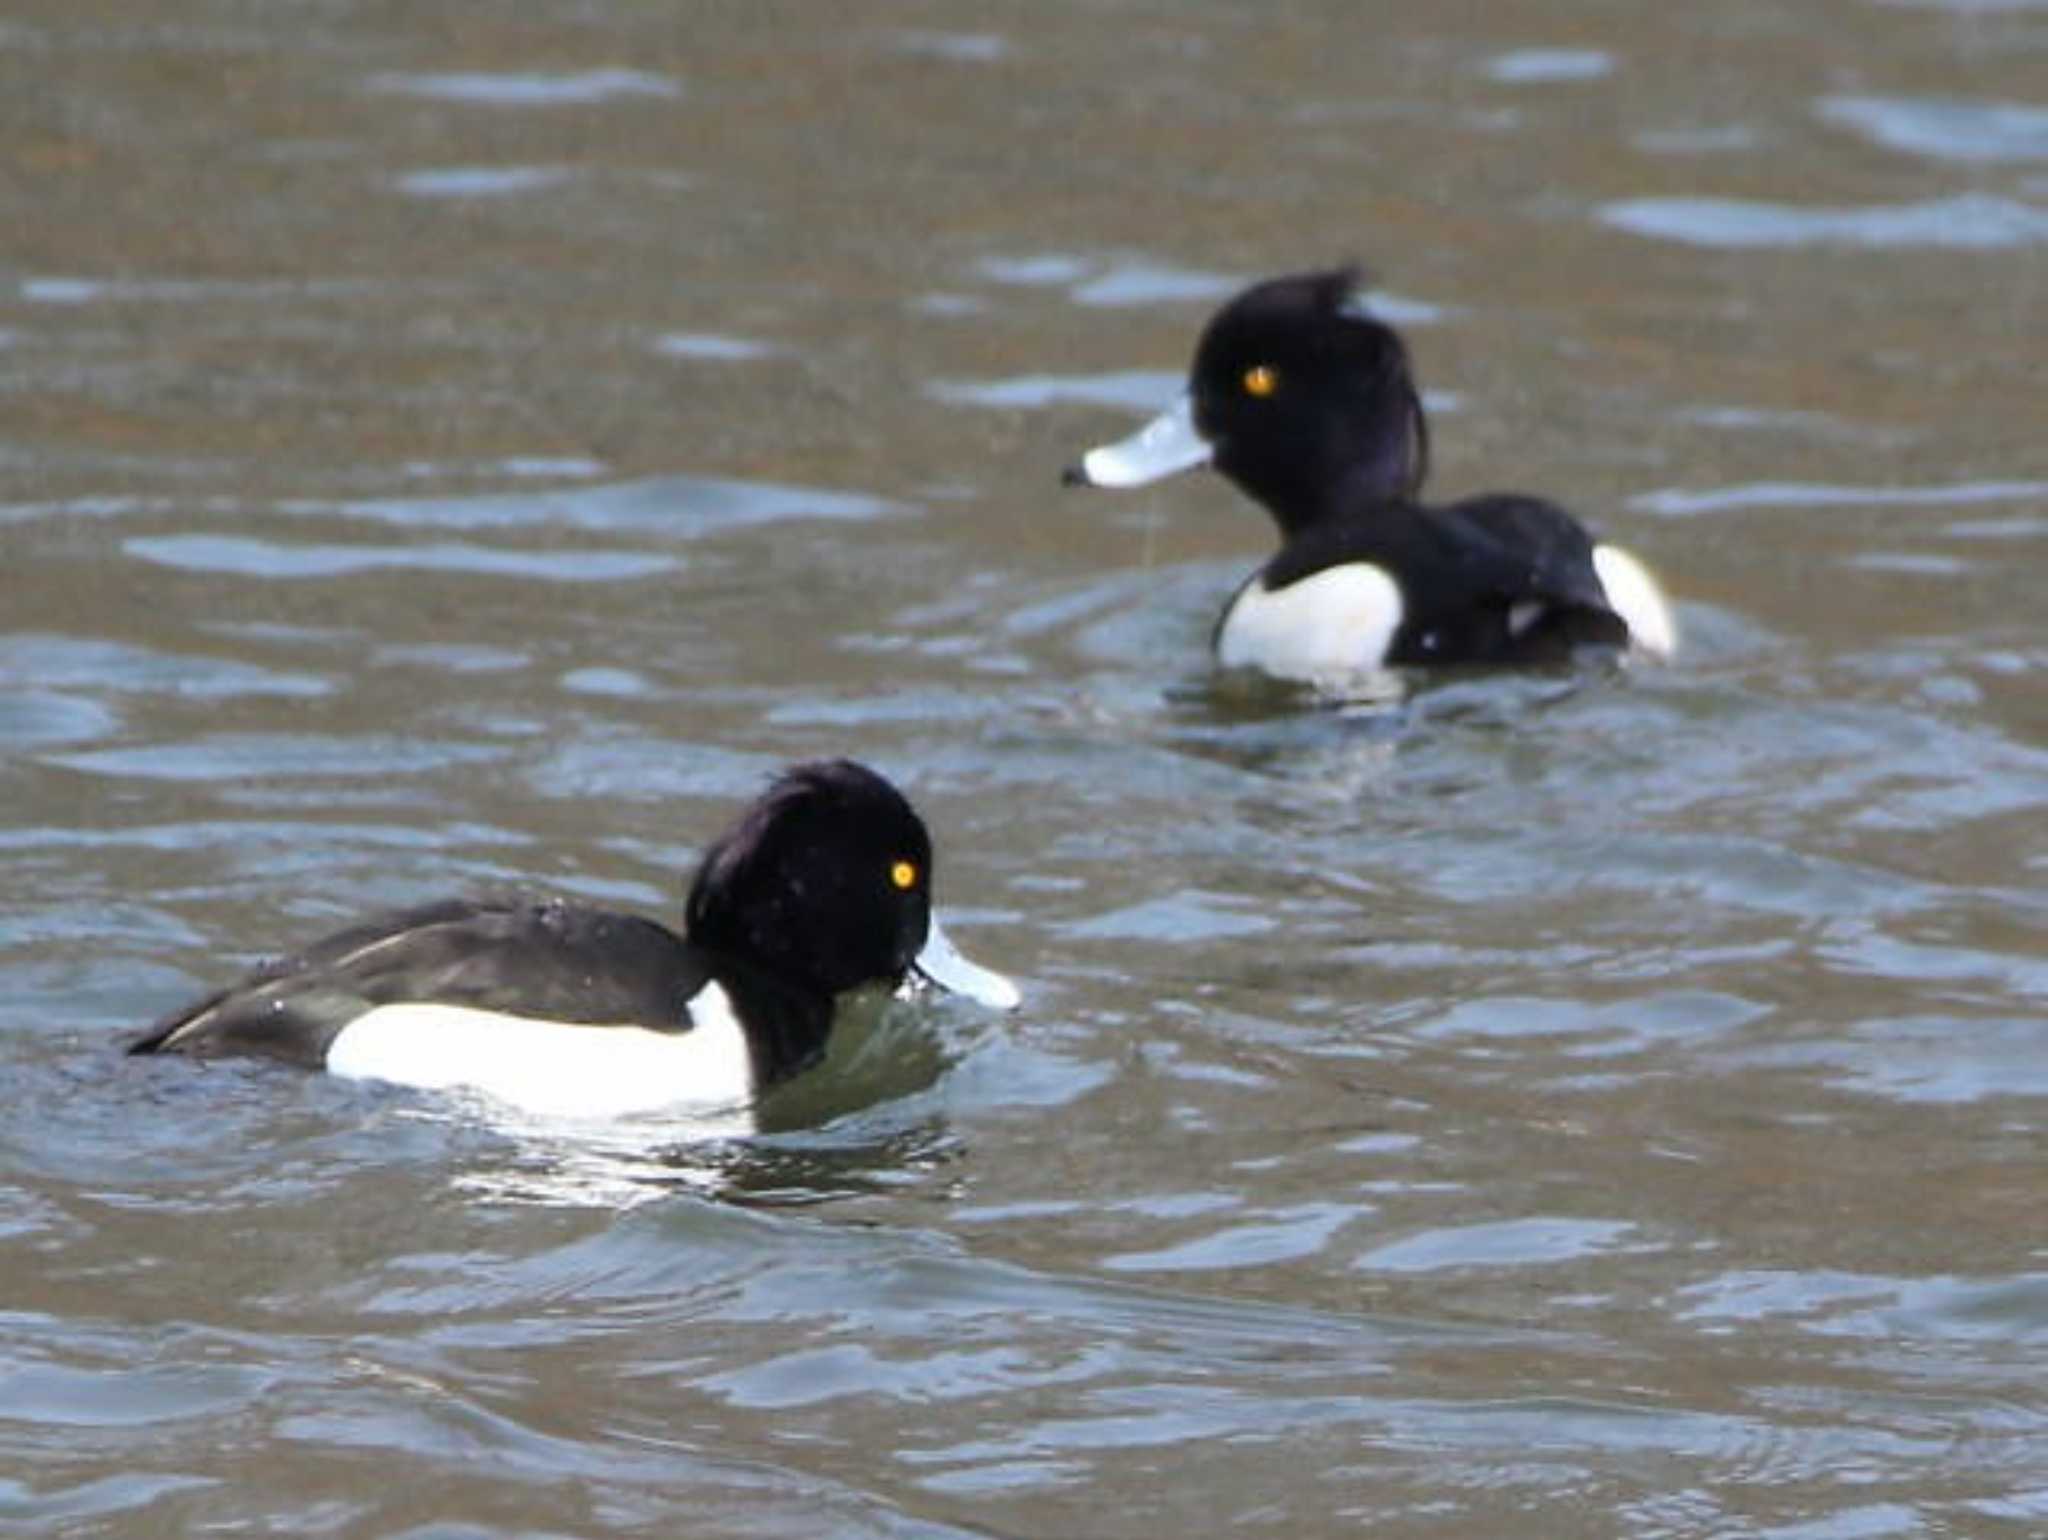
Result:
x=825 y=881
x=1305 y=398
x=1298 y=395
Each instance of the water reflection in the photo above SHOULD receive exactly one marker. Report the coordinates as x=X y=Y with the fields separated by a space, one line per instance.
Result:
x=527 y=89
x=713 y=346
x=1945 y=130
x=242 y=556
x=1795 y=495
x=1128 y=280
x=676 y=506
x=1968 y=221
x=479 y=181
x=1543 y=66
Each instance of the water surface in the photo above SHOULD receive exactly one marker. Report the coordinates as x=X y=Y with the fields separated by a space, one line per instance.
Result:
x=450 y=457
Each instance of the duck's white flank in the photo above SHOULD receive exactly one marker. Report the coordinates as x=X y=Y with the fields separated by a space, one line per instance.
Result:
x=1331 y=623
x=552 y=1068
x=1635 y=596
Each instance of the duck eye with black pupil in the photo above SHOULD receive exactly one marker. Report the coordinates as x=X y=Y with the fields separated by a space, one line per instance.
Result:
x=1261 y=380
x=903 y=876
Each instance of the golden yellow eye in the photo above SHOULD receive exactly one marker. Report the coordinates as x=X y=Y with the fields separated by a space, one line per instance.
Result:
x=904 y=875
x=1261 y=380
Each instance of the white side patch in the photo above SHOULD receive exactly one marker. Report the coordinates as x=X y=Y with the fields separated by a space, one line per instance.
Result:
x=553 y=1068
x=1635 y=596
x=1332 y=623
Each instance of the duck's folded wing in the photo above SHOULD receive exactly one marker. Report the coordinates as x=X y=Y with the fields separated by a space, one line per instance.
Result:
x=561 y=962
x=1527 y=548
x=1532 y=563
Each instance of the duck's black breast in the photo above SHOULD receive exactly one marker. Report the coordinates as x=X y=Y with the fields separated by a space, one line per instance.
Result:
x=1497 y=578
x=550 y=961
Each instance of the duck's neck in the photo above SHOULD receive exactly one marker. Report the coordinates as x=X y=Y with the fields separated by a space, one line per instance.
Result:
x=1314 y=496
x=787 y=1024
x=1335 y=476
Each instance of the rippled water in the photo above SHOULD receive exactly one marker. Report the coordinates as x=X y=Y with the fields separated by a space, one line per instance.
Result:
x=455 y=451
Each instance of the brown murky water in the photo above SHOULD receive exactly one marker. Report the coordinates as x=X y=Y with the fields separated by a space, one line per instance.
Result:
x=453 y=447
